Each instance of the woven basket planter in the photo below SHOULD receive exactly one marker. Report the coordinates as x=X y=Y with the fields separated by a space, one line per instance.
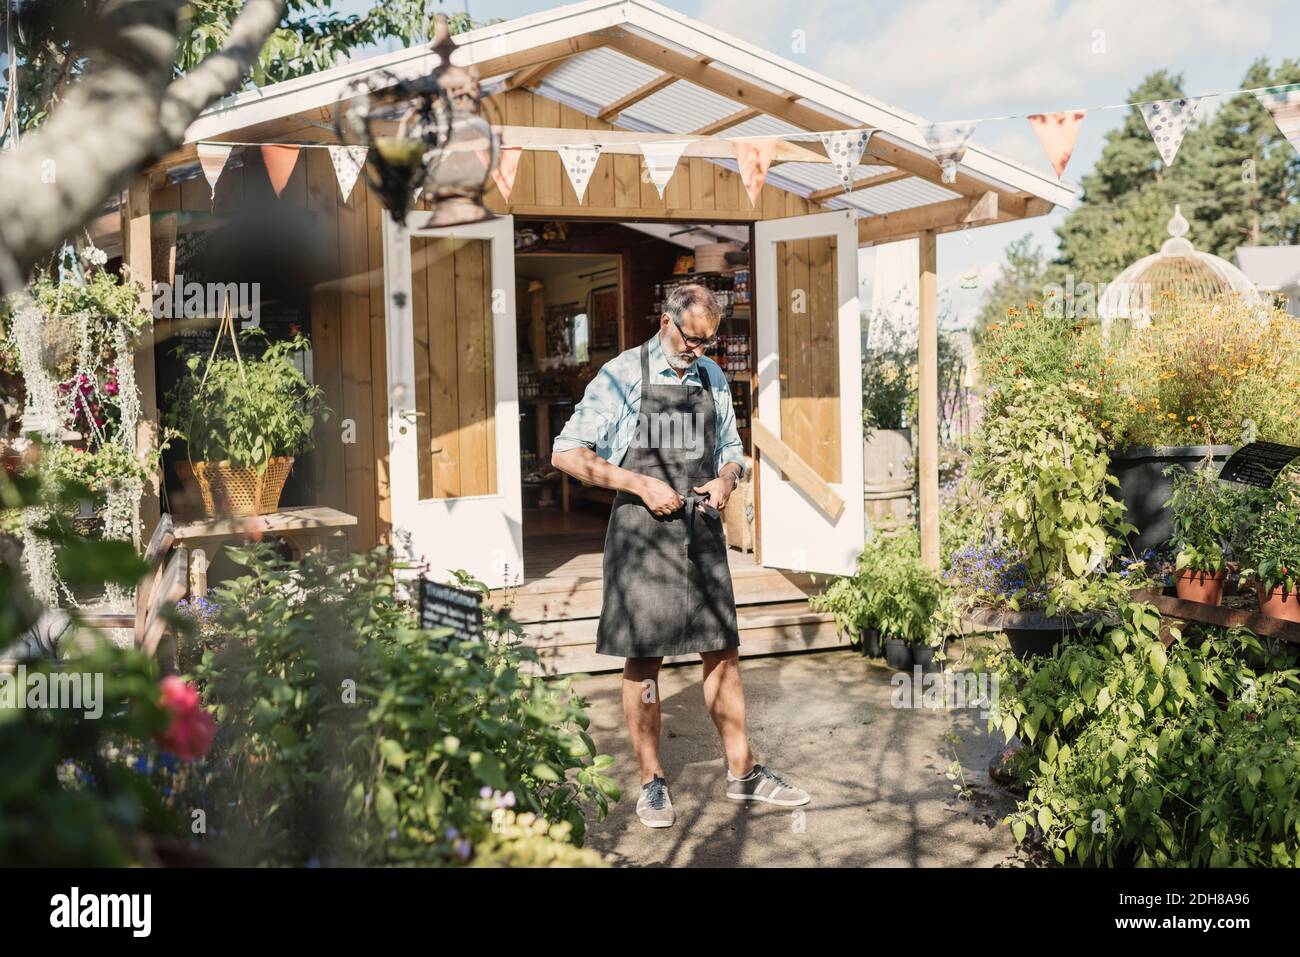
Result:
x=236 y=491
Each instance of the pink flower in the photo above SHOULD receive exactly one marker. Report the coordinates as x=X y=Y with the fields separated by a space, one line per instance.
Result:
x=192 y=728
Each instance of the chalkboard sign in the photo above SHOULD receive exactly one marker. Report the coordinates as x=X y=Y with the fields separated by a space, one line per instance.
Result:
x=442 y=606
x=1258 y=463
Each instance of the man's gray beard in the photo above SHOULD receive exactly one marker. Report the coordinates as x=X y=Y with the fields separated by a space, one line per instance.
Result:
x=677 y=360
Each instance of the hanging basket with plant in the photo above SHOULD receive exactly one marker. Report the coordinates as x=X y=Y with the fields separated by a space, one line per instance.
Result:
x=243 y=421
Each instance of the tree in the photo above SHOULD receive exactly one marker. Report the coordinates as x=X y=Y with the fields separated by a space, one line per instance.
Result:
x=126 y=108
x=1023 y=278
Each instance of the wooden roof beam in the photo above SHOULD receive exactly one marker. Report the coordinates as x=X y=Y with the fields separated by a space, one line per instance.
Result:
x=880 y=179
x=783 y=106
x=946 y=216
x=610 y=113
x=726 y=122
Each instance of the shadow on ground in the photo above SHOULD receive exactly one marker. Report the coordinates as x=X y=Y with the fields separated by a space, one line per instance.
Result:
x=824 y=721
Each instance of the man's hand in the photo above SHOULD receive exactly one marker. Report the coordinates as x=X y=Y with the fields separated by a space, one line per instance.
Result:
x=718 y=490
x=659 y=497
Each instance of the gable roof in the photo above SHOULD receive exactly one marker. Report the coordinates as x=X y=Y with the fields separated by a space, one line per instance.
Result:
x=591 y=55
x=1270 y=267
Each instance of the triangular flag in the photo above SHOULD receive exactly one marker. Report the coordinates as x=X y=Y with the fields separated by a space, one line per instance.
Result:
x=1283 y=104
x=947 y=141
x=212 y=157
x=1167 y=120
x=845 y=147
x=348 y=161
x=579 y=162
x=280 y=161
x=754 y=157
x=1058 y=133
x=507 y=167
x=661 y=160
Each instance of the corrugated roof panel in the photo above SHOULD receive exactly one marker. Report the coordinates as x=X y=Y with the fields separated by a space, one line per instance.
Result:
x=600 y=76
x=903 y=194
x=762 y=125
x=680 y=108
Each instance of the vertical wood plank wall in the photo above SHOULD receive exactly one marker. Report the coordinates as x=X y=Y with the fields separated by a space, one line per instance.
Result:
x=348 y=326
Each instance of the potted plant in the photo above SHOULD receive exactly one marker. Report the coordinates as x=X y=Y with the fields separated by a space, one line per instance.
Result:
x=243 y=421
x=1042 y=569
x=1190 y=386
x=849 y=603
x=1271 y=551
x=1205 y=514
x=908 y=596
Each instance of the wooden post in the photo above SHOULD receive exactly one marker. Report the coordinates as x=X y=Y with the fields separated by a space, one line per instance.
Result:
x=137 y=255
x=928 y=401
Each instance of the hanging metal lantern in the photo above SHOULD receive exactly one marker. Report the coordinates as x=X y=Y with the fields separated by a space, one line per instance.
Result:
x=425 y=134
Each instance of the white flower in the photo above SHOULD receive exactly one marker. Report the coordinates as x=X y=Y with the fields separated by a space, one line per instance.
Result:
x=94 y=255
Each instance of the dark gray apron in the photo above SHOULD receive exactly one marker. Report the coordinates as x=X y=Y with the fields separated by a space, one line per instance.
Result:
x=667 y=582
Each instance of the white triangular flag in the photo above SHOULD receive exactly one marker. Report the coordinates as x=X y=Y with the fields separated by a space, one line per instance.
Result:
x=1283 y=104
x=845 y=148
x=1167 y=121
x=947 y=141
x=579 y=163
x=661 y=159
x=212 y=157
x=348 y=161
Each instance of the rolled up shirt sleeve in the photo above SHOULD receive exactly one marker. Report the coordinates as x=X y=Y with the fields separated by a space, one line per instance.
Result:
x=729 y=447
x=595 y=419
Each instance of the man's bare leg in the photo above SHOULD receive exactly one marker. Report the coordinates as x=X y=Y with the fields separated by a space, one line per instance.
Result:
x=725 y=698
x=641 y=711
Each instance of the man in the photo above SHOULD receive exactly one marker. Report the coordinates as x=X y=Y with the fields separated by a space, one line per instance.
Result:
x=656 y=425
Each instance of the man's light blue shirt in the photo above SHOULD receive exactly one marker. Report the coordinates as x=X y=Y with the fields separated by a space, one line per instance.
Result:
x=605 y=419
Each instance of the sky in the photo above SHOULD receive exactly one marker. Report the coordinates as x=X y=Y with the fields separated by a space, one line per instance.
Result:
x=959 y=59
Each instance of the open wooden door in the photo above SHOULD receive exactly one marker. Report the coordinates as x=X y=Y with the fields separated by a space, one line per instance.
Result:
x=808 y=431
x=453 y=410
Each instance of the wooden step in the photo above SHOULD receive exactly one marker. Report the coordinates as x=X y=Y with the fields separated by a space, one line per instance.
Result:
x=565 y=599
x=569 y=647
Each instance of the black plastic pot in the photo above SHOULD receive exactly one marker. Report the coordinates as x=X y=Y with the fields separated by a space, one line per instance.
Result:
x=1031 y=633
x=869 y=639
x=923 y=655
x=898 y=654
x=1144 y=488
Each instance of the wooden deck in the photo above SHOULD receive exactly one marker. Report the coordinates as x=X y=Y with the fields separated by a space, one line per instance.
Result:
x=559 y=601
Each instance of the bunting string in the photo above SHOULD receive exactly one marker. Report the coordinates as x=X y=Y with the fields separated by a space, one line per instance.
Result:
x=1167 y=121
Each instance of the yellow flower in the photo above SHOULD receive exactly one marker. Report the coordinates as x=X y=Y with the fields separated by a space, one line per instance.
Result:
x=1171 y=415
x=1191 y=418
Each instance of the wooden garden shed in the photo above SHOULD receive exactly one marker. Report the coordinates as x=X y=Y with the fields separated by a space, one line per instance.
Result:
x=424 y=340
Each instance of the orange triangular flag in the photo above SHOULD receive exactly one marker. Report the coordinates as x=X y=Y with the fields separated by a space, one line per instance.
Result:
x=1058 y=133
x=753 y=157
x=507 y=167
x=280 y=161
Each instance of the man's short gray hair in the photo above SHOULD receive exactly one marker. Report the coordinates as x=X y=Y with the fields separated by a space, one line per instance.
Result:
x=688 y=296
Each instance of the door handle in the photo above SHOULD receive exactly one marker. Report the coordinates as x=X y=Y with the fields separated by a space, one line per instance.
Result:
x=410 y=415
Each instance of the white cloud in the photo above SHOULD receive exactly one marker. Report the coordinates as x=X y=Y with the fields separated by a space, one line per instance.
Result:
x=996 y=55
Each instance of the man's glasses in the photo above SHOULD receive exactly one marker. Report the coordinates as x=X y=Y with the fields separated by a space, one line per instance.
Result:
x=694 y=342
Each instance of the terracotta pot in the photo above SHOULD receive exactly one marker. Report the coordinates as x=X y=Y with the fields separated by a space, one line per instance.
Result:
x=1203 y=587
x=1280 y=604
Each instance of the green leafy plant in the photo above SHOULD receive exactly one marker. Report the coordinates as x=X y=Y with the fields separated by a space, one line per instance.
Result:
x=1271 y=545
x=1042 y=462
x=1207 y=515
x=246 y=412
x=348 y=735
x=892 y=590
x=1141 y=754
x=98 y=470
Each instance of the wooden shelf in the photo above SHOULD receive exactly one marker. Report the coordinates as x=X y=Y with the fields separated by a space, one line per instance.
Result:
x=1225 y=617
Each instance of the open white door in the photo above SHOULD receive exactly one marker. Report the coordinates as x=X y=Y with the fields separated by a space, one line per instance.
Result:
x=808 y=430
x=453 y=409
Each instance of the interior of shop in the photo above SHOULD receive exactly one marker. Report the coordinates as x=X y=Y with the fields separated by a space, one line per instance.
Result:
x=586 y=291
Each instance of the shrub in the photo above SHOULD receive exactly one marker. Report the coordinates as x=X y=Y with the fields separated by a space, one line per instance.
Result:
x=1203 y=373
x=1038 y=349
x=349 y=736
x=1041 y=462
x=1138 y=754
